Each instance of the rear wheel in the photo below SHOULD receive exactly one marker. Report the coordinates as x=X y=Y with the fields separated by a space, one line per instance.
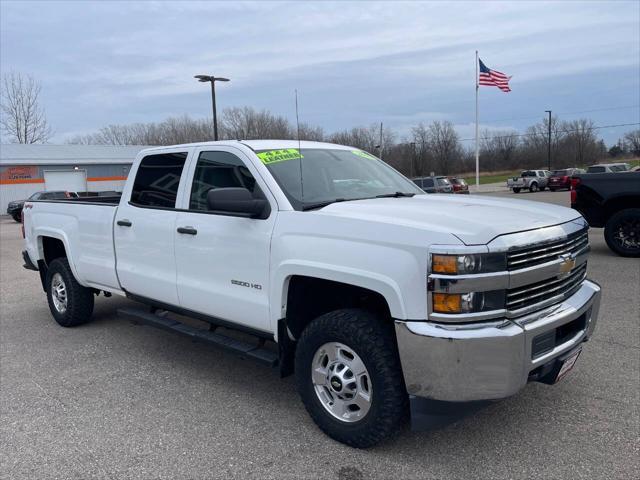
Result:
x=349 y=377
x=516 y=190
x=533 y=187
x=622 y=232
x=70 y=303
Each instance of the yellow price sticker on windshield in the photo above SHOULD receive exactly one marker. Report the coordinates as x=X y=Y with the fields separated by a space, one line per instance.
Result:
x=275 y=156
x=360 y=153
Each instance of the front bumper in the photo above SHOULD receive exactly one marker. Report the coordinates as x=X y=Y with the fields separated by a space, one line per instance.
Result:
x=491 y=360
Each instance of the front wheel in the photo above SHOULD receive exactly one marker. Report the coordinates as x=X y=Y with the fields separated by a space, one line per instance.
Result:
x=533 y=187
x=622 y=232
x=516 y=190
x=70 y=303
x=349 y=377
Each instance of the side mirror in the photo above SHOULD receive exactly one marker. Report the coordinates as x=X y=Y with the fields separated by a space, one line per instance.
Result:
x=235 y=200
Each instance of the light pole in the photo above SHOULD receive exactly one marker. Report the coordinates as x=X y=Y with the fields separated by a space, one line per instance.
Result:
x=549 y=140
x=213 y=80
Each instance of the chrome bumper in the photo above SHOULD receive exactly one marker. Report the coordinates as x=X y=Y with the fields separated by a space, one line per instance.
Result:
x=488 y=360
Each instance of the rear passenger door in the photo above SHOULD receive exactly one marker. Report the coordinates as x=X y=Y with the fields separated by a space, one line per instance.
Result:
x=223 y=260
x=145 y=226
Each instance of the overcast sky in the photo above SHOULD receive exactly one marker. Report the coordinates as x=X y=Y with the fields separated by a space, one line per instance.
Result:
x=352 y=63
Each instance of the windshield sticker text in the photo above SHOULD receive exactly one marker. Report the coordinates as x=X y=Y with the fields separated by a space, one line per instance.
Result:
x=360 y=153
x=275 y=156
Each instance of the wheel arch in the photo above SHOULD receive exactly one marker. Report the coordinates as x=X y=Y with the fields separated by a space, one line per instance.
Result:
x=620 y=202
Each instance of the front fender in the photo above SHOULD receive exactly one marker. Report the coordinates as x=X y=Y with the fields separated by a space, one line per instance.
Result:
x=385 y=286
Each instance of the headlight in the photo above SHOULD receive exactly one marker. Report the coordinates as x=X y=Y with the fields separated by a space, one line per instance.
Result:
x=468 y=263
x=471 y=302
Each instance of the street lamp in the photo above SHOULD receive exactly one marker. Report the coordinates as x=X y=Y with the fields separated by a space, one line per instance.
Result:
x=549 y=140
x=213 y=80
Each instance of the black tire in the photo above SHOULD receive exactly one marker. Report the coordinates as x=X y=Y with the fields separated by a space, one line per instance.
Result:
x=373 y=340
x=624 y=223
x=516 y=190
x=533 y=188
x=17 y=217
x=542 y=189
x=79 y=299
x=552 y=189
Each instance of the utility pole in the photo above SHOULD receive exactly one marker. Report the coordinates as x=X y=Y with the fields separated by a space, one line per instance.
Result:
x=549 y=140
x=381 y=145
x=213 y=80
x=413 y=158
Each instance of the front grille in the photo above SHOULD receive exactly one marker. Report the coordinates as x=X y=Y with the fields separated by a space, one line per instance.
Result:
x=535 y=293
x=547 y=251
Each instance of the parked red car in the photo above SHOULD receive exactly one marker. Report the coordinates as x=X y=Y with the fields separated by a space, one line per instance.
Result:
x=560 y=179
x=459 y=185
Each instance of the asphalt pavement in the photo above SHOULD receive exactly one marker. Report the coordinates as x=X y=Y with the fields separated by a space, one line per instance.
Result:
x=112 y=399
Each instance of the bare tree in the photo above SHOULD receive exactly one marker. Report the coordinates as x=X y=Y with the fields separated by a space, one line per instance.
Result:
x=245 y=123
x=633 y=141
x=499 y=150
x=444 y=146
x=23 y=119
x=580 y=141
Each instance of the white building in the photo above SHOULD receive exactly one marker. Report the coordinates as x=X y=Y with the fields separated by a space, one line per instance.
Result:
x=26 y=169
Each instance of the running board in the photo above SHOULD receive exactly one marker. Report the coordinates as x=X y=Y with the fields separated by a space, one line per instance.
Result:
x=245 y=349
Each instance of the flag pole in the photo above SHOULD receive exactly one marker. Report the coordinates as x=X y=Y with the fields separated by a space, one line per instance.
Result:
x=477 y=147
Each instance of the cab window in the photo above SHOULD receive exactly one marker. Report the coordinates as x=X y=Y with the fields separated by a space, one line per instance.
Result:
x=157 y=180
x=218 y=170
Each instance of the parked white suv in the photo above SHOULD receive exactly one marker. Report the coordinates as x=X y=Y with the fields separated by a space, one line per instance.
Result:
x=375 y=294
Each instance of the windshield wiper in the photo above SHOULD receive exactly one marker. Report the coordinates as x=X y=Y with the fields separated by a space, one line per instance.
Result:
x=312 y=206
x=395 y=195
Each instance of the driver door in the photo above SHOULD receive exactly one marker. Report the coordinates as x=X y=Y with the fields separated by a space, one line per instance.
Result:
x=223 y=260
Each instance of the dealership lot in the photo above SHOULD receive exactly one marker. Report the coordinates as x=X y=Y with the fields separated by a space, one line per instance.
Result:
x=116 y=400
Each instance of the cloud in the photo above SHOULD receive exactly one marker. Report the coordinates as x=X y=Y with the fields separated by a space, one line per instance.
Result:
x=353 y=62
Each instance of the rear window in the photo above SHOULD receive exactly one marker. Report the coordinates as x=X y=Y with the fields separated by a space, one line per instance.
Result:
x=596 y=169
x=458 y=181
x=53 y=195
x=157 y=180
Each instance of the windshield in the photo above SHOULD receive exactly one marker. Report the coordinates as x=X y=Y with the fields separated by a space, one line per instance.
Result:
x=443 y=182
x=619 y=168
x=560 y=172
x=35 y=196
x=331 y=175
x=528 y=173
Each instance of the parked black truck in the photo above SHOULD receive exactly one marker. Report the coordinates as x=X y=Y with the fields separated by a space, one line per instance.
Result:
x=612 y=201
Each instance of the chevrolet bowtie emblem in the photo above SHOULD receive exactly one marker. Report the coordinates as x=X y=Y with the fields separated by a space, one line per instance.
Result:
x=566 y=265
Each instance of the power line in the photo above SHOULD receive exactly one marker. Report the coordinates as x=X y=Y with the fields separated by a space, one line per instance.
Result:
x=567 y=113
x=557 y=131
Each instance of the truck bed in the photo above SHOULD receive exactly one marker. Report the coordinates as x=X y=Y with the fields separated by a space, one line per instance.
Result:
x=85 y=226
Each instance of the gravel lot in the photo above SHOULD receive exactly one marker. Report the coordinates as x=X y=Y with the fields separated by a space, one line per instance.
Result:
x=116 y=400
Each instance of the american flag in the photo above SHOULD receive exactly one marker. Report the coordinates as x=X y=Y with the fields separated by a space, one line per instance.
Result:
x=493 y=78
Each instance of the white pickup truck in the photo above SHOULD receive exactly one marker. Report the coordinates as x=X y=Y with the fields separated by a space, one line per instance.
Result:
x=375 y=294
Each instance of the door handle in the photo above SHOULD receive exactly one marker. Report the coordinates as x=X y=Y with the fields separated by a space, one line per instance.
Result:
x=187 y=230
x=124 y=223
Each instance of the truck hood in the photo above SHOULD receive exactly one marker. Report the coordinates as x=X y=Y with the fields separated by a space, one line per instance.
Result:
x=474 y=220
